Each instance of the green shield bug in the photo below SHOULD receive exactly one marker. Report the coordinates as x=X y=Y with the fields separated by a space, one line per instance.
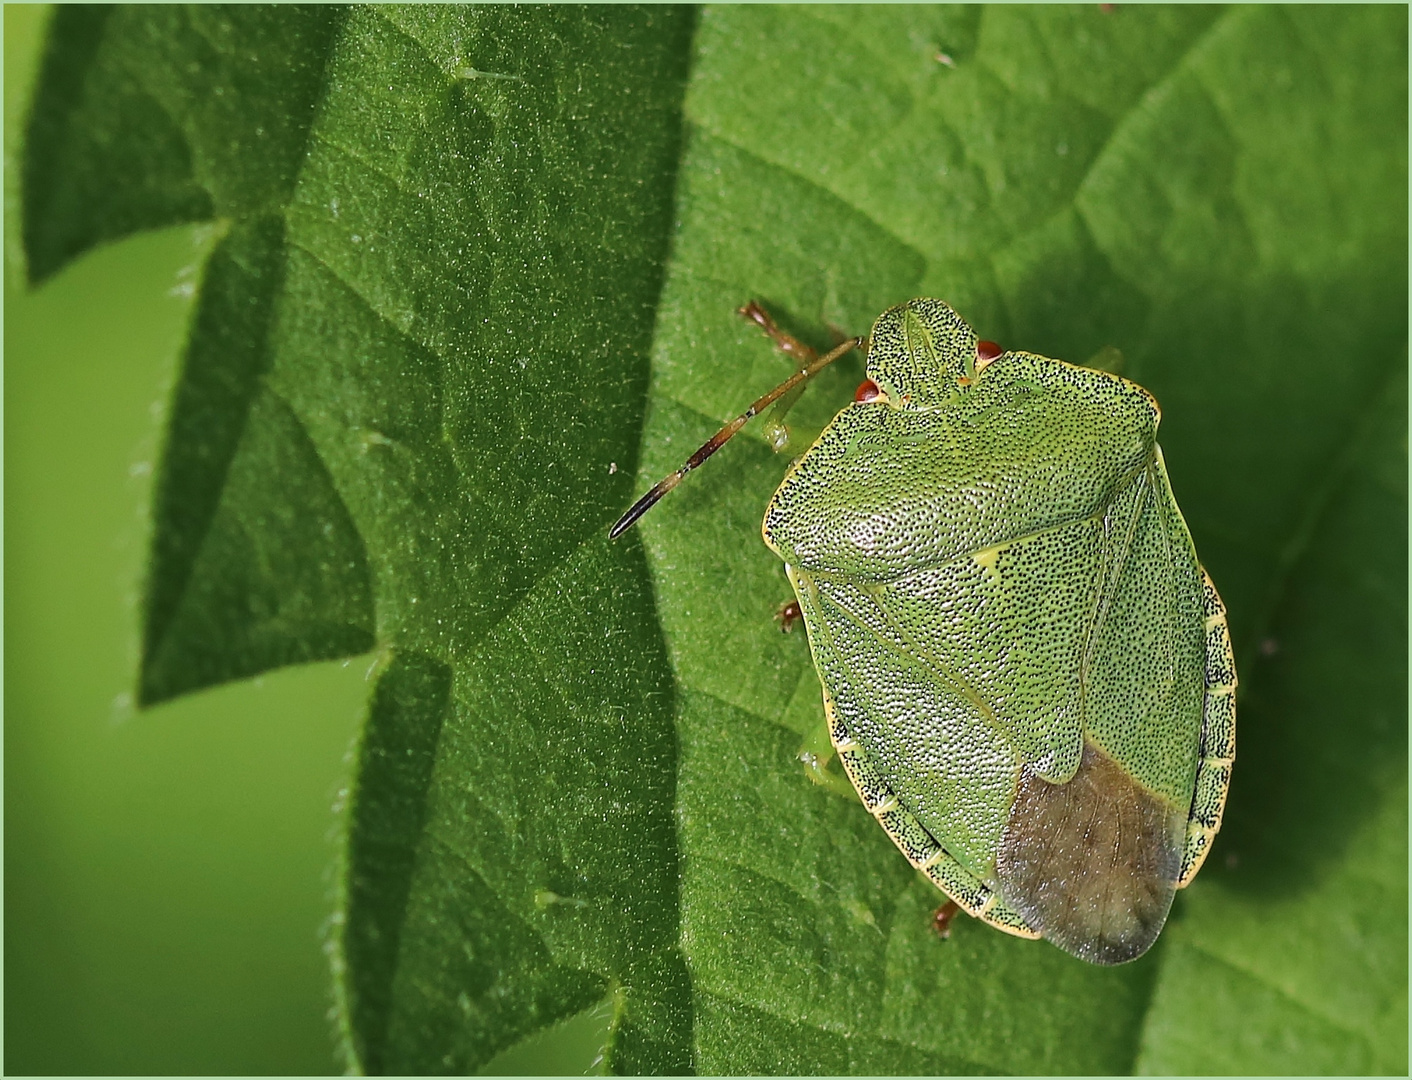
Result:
x=1027 y=674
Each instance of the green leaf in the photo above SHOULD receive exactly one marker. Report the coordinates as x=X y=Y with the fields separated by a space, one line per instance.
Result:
x=245 y=575
x=413 y=397
x=152 y=117
x=409 y=404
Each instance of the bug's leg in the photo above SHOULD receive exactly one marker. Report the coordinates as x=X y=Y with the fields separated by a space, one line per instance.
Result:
x=815 y=754
x=788 y=614
x=969 y=893
x=942 y=916
x=1213 y=769
x=802 y=355
x=791 y=346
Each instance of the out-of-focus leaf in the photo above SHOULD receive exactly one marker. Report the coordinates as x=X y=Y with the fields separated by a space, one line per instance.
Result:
x=152 y=116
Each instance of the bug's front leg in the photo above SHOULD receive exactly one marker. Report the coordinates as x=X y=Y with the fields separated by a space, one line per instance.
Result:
x=802 y=355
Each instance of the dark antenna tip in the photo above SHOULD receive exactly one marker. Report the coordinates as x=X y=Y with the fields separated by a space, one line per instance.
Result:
x=644 y=504
x=628 y=520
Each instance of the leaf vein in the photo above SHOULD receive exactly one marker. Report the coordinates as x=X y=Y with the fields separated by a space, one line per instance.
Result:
x=818 y=185
x=1284 y=994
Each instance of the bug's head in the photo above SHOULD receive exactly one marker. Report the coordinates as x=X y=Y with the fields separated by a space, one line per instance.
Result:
x=922 y=354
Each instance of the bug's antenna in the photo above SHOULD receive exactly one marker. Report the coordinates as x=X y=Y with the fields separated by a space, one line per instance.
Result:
x=718 y=440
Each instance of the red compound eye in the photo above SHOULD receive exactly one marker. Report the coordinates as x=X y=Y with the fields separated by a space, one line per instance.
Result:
x=867 y=391
x=986 y=351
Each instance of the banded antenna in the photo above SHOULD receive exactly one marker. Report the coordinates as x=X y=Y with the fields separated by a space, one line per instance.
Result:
x=718 y=440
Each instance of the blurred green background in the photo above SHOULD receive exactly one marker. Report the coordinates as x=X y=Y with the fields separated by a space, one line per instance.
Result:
x=167 y=873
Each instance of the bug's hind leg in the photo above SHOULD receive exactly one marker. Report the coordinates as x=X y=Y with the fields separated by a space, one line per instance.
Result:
x=1213 y=769
x=942 y=916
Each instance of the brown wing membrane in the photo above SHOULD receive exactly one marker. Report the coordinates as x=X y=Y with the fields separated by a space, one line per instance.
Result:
x=1092 y=864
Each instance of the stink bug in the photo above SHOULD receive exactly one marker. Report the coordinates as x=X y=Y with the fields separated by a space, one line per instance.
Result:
x=1027 y=674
